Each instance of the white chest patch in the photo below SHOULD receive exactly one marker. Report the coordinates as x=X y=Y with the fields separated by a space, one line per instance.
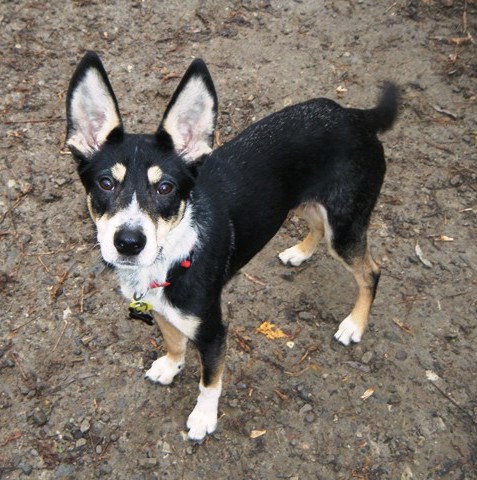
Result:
x=178 y=245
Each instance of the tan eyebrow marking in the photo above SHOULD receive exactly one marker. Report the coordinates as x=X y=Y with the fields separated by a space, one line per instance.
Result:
x=119 y=172
x=154 y=174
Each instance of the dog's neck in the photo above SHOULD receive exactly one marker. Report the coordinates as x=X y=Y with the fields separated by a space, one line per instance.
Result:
x=178 y=246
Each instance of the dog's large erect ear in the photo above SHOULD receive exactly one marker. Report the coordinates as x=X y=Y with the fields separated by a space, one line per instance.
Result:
x=190 y=118
x=91 y=108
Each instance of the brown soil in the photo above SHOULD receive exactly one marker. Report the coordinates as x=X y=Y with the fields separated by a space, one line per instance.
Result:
x=73 y=402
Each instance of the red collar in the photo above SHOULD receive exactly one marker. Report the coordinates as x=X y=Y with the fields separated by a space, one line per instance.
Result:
x=154 y=284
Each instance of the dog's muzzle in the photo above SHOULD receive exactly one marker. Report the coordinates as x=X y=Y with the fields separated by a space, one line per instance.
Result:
x=129 y=242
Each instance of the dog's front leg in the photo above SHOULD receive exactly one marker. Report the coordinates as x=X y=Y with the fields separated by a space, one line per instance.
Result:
x=203 y=419
x=164 y=369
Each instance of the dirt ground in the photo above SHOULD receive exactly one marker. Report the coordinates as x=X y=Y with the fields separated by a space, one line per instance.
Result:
x=73 y=401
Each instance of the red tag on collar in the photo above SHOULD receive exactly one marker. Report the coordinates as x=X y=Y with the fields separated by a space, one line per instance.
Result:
x=185 y=264
x=158 y=284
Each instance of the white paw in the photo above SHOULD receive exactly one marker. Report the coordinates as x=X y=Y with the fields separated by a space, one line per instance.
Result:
x=203 y=419
x=293 y=256
x=348 y=331
x=201 y=422
x=163 y=370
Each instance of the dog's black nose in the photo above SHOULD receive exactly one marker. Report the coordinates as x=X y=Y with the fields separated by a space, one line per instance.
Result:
x=129 y=242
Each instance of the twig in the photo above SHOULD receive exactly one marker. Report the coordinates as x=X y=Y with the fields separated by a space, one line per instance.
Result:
x=311 y=349
x=43 y=264
x=82 y=299
x=11 y=437
x=254 y=280
x=448 y=397
x=65 y=324
x=312 y=366
x=55 y=291
x=17 y=363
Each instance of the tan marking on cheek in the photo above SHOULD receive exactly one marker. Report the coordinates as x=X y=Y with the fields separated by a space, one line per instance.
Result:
x=165 y=226
x=154 y=174
x=92 y=213
x=119 y=172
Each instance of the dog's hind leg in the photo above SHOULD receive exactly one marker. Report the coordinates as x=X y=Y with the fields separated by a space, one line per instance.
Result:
x=311 y=213
x=164 y=369
x=366 y=273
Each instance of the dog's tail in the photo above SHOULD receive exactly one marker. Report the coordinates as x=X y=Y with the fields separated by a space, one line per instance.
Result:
x=382 y=117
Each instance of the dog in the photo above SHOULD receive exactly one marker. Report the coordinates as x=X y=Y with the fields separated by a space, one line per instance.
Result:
x=177 y=219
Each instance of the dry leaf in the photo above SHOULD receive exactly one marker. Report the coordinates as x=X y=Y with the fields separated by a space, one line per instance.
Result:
x=257 y=433
x=367 y=393
x=445 y=238
x=420 y=256
x=271 y=331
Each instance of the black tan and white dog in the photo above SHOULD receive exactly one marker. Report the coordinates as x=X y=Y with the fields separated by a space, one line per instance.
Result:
x=177 y=219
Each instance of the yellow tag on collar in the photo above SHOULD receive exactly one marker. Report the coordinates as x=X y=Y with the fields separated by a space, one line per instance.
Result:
x=140 y=306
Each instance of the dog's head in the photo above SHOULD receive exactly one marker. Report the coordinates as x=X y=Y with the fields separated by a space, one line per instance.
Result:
x=137 y=186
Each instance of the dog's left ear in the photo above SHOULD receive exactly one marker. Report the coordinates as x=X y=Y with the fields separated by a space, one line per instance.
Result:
x=91 y=108
x=190 y=118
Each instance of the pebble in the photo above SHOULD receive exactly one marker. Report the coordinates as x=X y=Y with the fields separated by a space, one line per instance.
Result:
x=24 y=390
x=81 y=443
x=25 y=468
x=64 y=471
x=456 y=180
x=105 y=469
x=400 y=355
x=394 y=399
x=85 y=426
x=307 y=316
x=166 y=448
x=40 y=418
x=306 y=408
x=310 y=417
x=189 y=450
x=366 y=358
x=98 y=449
x=148 y=462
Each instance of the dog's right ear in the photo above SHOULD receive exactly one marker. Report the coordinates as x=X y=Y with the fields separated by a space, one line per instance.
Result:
x=91 y=108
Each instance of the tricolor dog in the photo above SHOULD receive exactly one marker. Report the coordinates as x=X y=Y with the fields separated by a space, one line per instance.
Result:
x=177 y=219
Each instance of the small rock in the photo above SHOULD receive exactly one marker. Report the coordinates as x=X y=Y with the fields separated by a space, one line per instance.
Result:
x=25 y=468
x=85 y=426
x=24 y=390
x=64 y=471
x=81 y=443
x=105 y=469
x=310 y=417
x=307 y=316
x=40 y=418
x=189 y=450
x=98 y=449
x=114 y=437
x=400 y=355
x=366 y=358
x=304 y=393
x=394 y=399
x=306 y=408
x=166 y=448
x=147 y=462
x=288 y=276
x=456 y=180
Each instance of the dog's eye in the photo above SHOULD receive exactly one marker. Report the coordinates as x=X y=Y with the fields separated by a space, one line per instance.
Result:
x=165 y=188
x=106 y=183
